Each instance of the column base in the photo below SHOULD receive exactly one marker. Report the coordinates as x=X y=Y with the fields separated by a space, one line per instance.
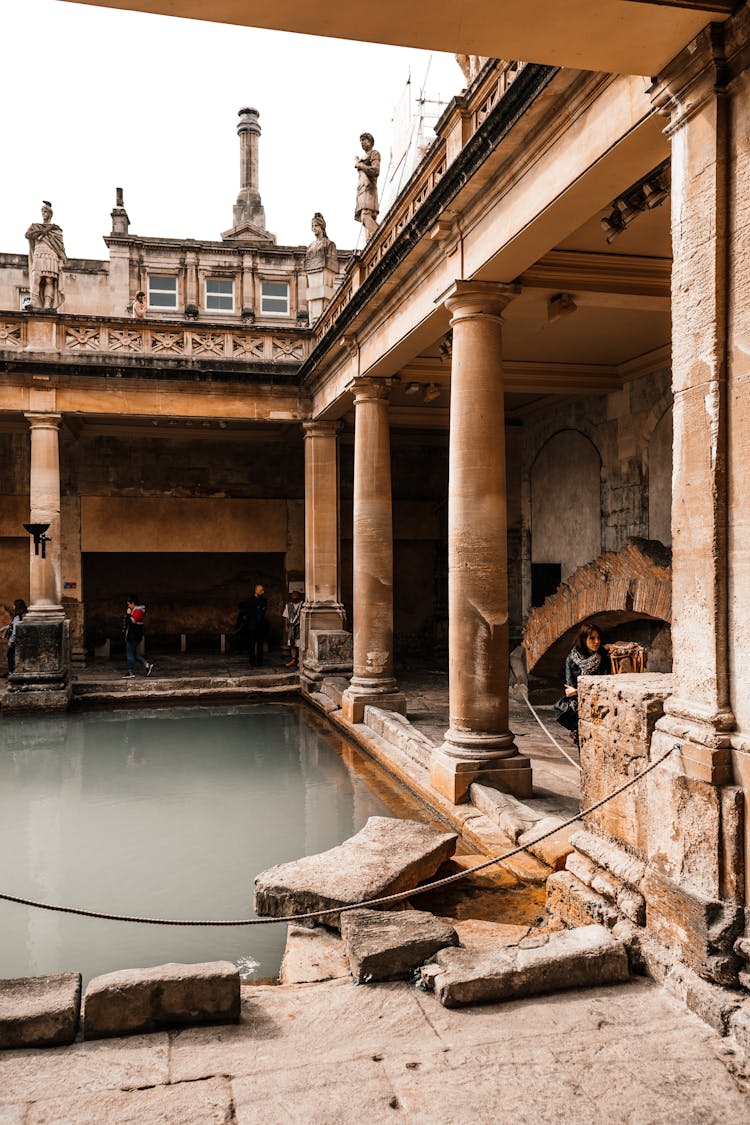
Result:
x=328 y=653
x=354 y=700
x=452 y=777
x=41 y=681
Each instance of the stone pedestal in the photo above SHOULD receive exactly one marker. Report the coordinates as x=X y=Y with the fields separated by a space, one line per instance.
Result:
x=373 y=682
x=326 y=647
x=41 y=681
x=321 y=285
x=478 y=744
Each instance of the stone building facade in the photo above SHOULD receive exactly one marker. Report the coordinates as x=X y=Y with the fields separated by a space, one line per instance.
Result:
x=540 y=353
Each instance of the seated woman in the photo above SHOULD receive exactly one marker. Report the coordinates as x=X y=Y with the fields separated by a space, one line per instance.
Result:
x=588 y=657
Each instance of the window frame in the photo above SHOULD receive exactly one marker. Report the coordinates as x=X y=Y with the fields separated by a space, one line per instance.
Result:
x=276 y=312
x=153 y=289
x=231 y=281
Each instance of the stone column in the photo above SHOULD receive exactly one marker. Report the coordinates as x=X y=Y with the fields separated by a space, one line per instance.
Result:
x=41 y=678
x=326 y=646
x=478 y=744
x=373 y=681
x=44 y=500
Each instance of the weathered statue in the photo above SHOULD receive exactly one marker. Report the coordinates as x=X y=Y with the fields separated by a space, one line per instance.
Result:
x=138 y=308
x=322 y=252
x=471 y=65
x=46 y=260
x=366 y=211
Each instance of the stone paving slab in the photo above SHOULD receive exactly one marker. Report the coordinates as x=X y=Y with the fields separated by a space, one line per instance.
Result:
x=386 y=945
x=188 y=1103
x=312 y=955
x=338 y=1054
x=81 y=1068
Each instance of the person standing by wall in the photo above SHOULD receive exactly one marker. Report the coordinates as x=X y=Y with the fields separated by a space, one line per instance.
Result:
x=253 y=611
x=132 y=628
x=291 y=614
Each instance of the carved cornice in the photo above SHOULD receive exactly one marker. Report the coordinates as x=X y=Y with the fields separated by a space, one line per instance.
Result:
x=583 y=271
x=695 y=76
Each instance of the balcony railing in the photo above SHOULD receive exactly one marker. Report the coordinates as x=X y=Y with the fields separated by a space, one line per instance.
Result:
x=478 y=102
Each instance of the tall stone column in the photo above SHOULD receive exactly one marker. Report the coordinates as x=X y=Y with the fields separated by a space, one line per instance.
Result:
x=478 y=744
x=373 y=681
x=326 y=646
x=41 y=678
x=694 y=885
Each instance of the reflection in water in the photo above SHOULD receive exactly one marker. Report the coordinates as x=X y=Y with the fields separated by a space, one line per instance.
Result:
x=166 y=814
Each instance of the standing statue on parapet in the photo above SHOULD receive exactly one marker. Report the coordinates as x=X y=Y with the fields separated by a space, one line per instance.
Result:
x=471 y=65
x=322 y=252
x=46 y=260
x=366 y=211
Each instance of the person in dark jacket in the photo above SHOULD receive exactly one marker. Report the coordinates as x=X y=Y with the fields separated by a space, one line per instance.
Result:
x=253 y=611
x=132 y=629
x=588 y=657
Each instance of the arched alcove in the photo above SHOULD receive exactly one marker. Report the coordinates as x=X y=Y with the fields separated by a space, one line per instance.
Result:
x=565 y=509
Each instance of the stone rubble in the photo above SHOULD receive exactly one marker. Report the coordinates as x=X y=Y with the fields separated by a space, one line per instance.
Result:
x=524 y=824
x=384 y=857
x=138 y=1000
x=578 y=958
x=39 y=1011
x=383 y=945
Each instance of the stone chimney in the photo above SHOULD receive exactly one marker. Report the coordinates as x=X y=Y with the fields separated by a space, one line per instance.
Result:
x=248 y=208
x=120 y=220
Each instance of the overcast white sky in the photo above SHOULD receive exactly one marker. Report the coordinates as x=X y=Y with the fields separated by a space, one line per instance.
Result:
x=92 y=99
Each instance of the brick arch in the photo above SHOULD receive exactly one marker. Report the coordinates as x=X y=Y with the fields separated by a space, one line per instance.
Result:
x=620 y=586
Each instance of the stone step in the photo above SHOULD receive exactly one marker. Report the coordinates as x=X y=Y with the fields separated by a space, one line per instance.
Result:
x=385 y=857
x=548 y=962
x=39 y=1011
x=138 y=1000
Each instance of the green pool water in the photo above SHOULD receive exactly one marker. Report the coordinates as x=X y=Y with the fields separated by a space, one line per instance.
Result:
x=167 y=813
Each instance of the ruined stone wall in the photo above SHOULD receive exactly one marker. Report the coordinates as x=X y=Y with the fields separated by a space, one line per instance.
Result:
x=619 y=427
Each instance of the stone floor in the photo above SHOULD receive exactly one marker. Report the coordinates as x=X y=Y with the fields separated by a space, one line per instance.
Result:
x=335 y=1054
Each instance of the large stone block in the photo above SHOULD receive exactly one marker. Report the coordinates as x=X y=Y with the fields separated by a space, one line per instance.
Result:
x=136 y=1000
x=570 y=901
x=385 y=857
x=39 y=1011
x=383 y=945
x=579 y=958
x=617 y=719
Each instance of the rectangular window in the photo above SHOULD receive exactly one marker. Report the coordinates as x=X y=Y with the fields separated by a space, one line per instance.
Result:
x=220 y=294
x=162 y=292
x=274 y=298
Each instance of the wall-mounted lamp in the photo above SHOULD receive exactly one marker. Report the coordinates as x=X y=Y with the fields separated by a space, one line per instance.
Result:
x=644 y=195
x=412 y=388
x=431 y=392
x=38 y=530
x=446 y=348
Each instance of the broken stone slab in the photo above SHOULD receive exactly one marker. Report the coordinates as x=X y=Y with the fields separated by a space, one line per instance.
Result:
x=384 y=945
x=548 y=962
x=39 y=1011
x=570 y=901
x=625 y=866
x=512 y=816
x=477 y=933
x=555 y=849
x=312 y=955
x=384 y=857
x=138 y=1000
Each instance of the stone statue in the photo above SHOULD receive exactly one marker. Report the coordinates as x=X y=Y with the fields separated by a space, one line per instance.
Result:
x=46 y=260
x=322 y=252
x=138 y=308
x=471 y=65
x=366 y=211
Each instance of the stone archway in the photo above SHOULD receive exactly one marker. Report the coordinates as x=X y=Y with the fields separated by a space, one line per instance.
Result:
x=623 y=592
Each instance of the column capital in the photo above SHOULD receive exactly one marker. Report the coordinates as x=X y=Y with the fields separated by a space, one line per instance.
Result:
x=42 y=420
x=319 y=427
x=477 y=298
x=694 y=76
x=368 y=389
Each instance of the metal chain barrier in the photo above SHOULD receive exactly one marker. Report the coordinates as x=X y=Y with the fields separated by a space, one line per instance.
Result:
x=316 y=915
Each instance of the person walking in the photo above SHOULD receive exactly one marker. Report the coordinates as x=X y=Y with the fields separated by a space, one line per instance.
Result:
x=17 y=615
x=132 y=628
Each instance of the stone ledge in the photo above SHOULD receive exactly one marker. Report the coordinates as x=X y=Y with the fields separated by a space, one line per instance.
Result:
x=173 y=995
x=523 y=824
x=39 y=1011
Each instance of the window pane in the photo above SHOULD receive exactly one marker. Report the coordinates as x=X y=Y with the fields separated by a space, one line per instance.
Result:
x=216 y=285
x=274 y=305
x=162 y=300
x=169 y=284
x=219 y=302
x=274 y=289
